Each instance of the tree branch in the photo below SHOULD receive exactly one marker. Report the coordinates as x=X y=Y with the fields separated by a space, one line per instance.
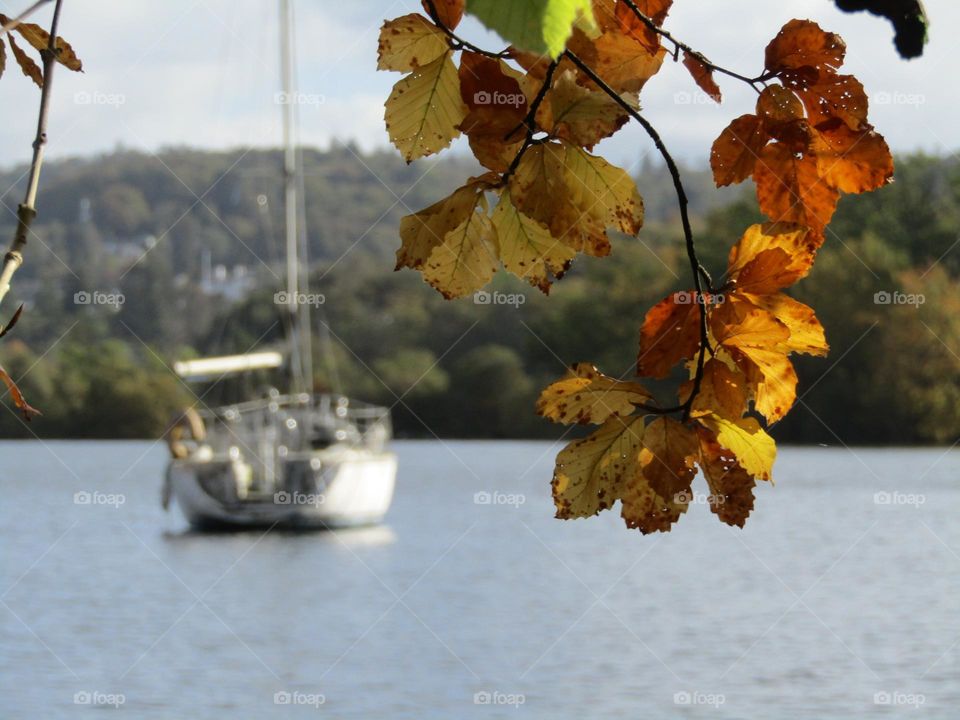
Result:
x=27 y=210
x=458 y=42
x=679 y=45
x=699 y=272
x=22 y=16
x=530 y=122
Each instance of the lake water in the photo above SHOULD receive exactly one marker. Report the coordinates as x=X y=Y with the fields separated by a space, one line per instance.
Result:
x=834 y=602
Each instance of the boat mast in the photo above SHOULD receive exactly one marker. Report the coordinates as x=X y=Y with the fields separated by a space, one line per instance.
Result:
x=300 y=350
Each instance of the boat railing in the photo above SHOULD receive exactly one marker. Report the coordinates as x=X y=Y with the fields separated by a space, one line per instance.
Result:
x=295 y=424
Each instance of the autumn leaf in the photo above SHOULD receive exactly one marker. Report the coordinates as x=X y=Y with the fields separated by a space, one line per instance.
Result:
x=588 y=396
x=26 y=63
x=624 y=64
x=670 y=333
x=39 y=39
x=424 y=109
x=734 y=153
x=409 y=42
x=634 y=27
x=852 y=161
x=789 y=188
x=731 y=487
x=18 y=399
x=806 y=332
x=753 y=337
x=590 y=473
x=754 y=449
x=669 y=457
x=723 y=391
x=3 y=57
x=449 y=12
x=702 y=75
x=603 y=190
x=421 y=232
x=465 y=260
x=794 y=240
x=580 y=115
x=802 y=43
x=526 y=247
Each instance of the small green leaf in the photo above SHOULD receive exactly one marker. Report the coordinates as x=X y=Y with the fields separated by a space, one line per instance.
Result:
x=540 y=26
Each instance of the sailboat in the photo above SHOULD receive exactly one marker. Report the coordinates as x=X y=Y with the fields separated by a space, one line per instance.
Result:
x=293 y=459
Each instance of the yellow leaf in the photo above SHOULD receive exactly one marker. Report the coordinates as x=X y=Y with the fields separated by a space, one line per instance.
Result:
x=806 y=332
x=588 y=396
x=39 y=39
x=421 y=232
x=424 y=109
x=624 y=64
x=754 y=449
x=603 y=190
x=541 y=188
x=527 y=249
x=409 y=42
x=466 y=259
x=590 y=473
x=580 y=115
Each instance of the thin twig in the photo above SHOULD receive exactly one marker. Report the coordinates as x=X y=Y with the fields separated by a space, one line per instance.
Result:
x=458 y=42
x=678 y=45
x=22 y=16
x=530 y=121
x=27 y=210
x=699 y=272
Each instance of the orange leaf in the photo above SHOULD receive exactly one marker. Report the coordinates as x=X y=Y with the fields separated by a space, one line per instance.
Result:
x=670 y=333
x=840 y=96
x=722 y=391
x=802 y=43
x=702 y=75
x=794 y=240
x=735 y=152
x=790 y=188
x=853 y=161
x=449 y=12
x=18 y=399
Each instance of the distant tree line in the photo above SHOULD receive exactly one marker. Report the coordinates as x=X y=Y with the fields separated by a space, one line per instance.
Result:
x=886 y=289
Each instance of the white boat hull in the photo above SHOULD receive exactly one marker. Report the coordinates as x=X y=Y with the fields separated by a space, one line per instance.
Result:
x=350 y=487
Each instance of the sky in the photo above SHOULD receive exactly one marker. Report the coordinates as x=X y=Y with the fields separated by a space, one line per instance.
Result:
x=205 y=73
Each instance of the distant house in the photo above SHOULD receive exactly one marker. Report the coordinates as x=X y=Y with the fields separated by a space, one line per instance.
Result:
x=232 y=284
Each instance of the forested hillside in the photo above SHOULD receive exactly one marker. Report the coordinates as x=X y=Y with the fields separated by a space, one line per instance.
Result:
x=149 y=232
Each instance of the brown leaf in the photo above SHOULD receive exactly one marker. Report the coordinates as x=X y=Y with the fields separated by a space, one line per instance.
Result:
x=853 y=161
x=40 y=40
x=18 y=399
x=26 y=63
x=735 y=152
x=731 y=487
x=802 y=43
x=789 y=188
x=670 y=333
x=702 y=75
